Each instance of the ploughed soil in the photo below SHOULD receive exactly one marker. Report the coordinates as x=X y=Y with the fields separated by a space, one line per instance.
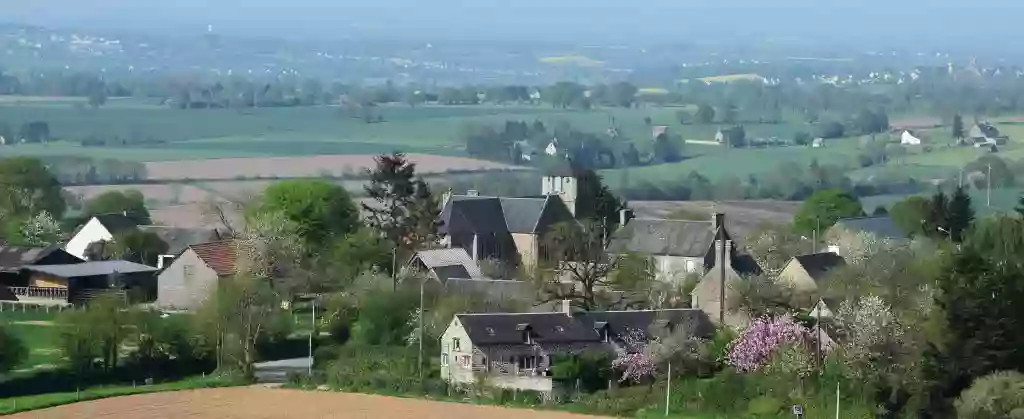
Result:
x=265 y=403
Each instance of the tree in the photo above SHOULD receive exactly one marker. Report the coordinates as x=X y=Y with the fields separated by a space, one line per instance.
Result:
x=960 y=214
x=623 y=94
x=822 y=209
x=348 y=257
x=958 y=127
x=910 y=214
x=41 y=230
x=801 y=138
x=736 y=136
x=27 y=188
x=595 y=201
x=97 y=94
x=938 y=215
x=34 y=132
x=831 y=129
x=729 y=113
x=137 y=246
x=667 y=150
x=130 y=202
x=96 y=332
x=995 y=396
x=242 y=312
x=705 y=114
x=320 y=210
x=12 y=350
x=755 y=347
x=405 y=211
x=583 y=273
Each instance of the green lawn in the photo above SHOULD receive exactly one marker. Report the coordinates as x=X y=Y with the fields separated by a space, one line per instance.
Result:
x=40 y=340
x=1004 y=200
x=41 y=401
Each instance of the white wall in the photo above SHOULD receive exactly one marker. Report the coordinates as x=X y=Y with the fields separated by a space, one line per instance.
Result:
x=178 y=291
x=93 y=231
x=452 y=371
x=535 y=383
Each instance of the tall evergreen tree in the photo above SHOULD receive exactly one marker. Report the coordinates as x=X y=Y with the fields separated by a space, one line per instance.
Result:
x=958 y=127
x=960 y=214
x=595 y=201
x=938 y=216
x=405 y=212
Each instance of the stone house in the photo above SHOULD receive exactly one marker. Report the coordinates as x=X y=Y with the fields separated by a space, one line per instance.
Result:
x=514 y=350
x=847 y=233
x=707 y=294
x=193 y=275
x=507 y=229
x=804 y=274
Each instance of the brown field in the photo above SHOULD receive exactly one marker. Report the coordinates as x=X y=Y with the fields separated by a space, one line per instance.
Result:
x=742 y=218
x=263 y=403
x=310 y=166
x=167 y=193
x=912 y=122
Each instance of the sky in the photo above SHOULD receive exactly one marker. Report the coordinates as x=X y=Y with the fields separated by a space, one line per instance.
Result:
x=851 y=21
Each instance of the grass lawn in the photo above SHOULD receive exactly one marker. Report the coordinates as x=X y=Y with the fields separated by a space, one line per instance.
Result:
x=41 y=340
x=42 y=401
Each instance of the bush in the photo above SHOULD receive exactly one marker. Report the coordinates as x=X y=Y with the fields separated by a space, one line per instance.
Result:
x=12 y=350
x=998 y=395
x=764 y=406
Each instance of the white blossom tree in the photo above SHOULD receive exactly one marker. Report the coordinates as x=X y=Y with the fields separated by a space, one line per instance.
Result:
x=41 y=230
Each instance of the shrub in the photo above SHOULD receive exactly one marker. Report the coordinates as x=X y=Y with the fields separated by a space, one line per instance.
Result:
x=764 y=406
x=998 y=395
x=12 y=350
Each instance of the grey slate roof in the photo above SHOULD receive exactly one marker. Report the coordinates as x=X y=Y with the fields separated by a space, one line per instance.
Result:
x=105 y=267
x=16 y=257
x=444 y=261
x=582 y=328
x=881 y=226
x=486 y=215
x=818 y=265
x=664 y=237
x=178 y=239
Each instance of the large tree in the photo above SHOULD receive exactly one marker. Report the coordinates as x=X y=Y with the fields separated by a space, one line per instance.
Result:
x=404 y=210
x=595 y=201
x=958 y=127
x=910 y=214
x=27 y=188
x=319 y=210
x=960 y=214
x=937 y=223
x=822 y=209
x=131 y=203
x=137 y=246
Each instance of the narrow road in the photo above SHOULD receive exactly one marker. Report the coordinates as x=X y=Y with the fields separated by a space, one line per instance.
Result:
x=276 y=372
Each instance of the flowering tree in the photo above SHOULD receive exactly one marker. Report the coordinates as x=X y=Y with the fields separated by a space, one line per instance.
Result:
x=41 y=230
x=756 y=345
x=635 y=359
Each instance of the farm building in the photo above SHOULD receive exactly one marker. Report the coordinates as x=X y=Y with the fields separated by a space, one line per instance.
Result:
x=985 y=133
x=445 y=264
x=15 y=281
x=515 y=350
x=98 y=228
x=80 y=282
x=908 y=138
x=189 y=279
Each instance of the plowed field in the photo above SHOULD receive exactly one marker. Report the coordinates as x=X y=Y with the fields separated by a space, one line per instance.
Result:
x=263 y=403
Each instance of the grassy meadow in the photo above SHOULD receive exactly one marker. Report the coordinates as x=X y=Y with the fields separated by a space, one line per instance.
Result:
x=34 y=327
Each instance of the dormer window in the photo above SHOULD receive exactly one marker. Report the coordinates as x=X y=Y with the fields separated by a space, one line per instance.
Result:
x=527 y=332
x=603 y=330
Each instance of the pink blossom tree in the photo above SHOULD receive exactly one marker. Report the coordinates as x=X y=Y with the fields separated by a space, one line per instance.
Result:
x=635 y=359
x=754 y=348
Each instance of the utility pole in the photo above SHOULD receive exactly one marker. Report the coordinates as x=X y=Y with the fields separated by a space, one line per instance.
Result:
x=988 y=187
x=312 y=331
x=419 y=360
x=394 y=268
x=721 y=271
x=668 y=389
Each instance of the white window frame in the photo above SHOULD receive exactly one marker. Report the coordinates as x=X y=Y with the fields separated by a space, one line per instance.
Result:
x=444 y=360
x=456 y=344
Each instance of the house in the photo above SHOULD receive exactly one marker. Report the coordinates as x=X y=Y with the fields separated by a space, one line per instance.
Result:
x=908 y=138
x=728 y=273
x=507 y=229
x=515 y=350
x=191 y=277
x=840 y=236
x=985 y=133
x=804 y=273
x=99 y=228
x=720 y=137
x=526 y=150
x=105 y=227
x=552 y=148
x=445 y=264
x=818 y=143
x=678 y=247
x=178 y=239
x=80 y=282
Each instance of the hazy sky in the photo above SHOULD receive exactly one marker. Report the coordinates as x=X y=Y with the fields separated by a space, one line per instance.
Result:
x=931 y=21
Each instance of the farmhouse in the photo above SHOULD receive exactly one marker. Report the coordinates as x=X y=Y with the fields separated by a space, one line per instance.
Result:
x=983 y=133
x=804 y=273
x=707 y=295
x=508 y=229
x=679 y=248
x=187 y=281
x=515 y=350
x=13 y=279
x=908 y=138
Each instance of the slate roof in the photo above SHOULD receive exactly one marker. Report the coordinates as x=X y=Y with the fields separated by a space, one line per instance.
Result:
x=16 y=257
x=178 y=239
x=488 y=215
x=220 y=256
x=105 y=267
x=487 y=329
x=984 y=131
x=449 y=263
x=664 y=237
x=881 y=226
x=117 y=223
x=818 y=265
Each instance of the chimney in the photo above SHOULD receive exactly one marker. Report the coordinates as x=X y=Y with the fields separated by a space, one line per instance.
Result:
x=124 y=213
x=624 y=216
x=476 y=245
x=717 y=220
x=728 y=253
x=567 y=308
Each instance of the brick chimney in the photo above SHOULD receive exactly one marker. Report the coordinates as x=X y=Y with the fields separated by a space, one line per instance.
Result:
x=567 y=308
x=625 y=215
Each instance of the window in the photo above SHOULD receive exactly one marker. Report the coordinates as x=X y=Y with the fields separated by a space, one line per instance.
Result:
x=444 y=360
x=456 y=344
x=690 y=266
x=557 y=185
x=559 y=329
x=465 y=360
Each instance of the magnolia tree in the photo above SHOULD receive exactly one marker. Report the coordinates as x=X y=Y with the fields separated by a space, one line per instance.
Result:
x=640 y=358
x=756 y=346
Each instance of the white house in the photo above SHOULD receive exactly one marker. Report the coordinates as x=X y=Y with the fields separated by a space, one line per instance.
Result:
x=907 y=138
x=99 y=228
x=818 y=143
x=552 y=148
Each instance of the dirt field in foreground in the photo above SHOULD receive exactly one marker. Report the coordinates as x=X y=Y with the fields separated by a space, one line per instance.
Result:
x=263 y=403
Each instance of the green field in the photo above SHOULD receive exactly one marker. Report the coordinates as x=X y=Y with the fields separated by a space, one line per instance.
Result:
x=40 y=340
x=1004 y=200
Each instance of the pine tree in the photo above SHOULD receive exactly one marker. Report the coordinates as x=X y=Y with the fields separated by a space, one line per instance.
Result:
x=960 y=214
x=405 y=212
x=958 y=127
x=938 y=216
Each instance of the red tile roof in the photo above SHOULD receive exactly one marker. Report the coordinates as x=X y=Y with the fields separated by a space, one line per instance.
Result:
x=219 y=256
